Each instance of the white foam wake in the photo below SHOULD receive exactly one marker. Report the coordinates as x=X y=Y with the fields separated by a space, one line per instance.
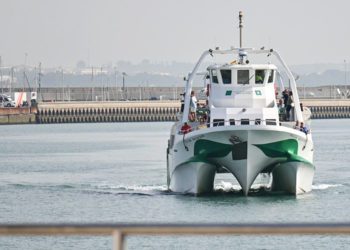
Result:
x=229 y=186
x=132 y=188
x=226 y=186
x=325 y=186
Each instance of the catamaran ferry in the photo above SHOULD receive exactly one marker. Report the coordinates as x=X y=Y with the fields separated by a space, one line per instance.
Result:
x=244 y=129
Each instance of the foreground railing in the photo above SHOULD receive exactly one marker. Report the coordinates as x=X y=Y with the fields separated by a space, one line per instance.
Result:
x=120 y=231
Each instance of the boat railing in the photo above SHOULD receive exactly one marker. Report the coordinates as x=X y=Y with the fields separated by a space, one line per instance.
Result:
x=189 y=83
x=119 y=232
x=231 y=122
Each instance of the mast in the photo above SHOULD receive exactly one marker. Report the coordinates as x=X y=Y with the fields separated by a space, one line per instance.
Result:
x=240 y=28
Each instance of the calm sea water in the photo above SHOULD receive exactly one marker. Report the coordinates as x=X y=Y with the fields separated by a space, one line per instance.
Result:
x=115 y=172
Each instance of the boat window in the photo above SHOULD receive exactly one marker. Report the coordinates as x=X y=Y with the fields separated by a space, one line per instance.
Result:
x=259 y=76
x=270 y=121
x=244 y=121
x=226 y=76
x=214 y=76
x=271 y=76
x=243 y=76
x=218 y=122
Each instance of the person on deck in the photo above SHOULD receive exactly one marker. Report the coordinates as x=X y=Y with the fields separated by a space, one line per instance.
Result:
x=281 y=110
x=182 y=102
x=202 y=123
x=290 y=107
x=193 y=106
x=285 y=97
x=304 y=128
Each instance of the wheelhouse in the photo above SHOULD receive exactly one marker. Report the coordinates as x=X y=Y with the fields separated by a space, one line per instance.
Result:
x=242 y=95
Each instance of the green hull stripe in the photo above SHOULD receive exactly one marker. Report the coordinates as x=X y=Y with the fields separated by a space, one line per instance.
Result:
x=210 y=149
x=282 y=149
x=206 y=150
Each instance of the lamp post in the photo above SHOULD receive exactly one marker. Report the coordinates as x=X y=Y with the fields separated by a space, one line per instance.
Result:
x=62 y=77
x=2 y=89
x=116 y=83
x=346 y=79
x=124 y=89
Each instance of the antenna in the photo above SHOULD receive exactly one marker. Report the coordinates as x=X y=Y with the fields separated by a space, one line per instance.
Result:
x=240 y=28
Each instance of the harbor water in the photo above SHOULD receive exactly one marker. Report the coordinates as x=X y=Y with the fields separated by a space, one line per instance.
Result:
x=116 y=172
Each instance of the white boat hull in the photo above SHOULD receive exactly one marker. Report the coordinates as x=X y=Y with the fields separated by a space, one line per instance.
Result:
x=245 y=152
x=293 y=177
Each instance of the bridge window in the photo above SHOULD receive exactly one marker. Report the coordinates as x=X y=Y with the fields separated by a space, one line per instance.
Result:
x=271 y=76
x=270 y=121
x=244 y=121
x=243 y=76
x=219 y=122
x=226 y=76
x=214 y=76
x=259 y=76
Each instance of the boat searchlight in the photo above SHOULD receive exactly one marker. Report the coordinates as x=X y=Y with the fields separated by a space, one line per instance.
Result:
x=242 y=56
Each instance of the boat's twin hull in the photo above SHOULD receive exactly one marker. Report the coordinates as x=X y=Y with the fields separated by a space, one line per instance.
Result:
x=194 y=161
x=293 y=177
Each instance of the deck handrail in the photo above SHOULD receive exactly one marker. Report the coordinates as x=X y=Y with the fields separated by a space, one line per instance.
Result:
x=121 y=230
x=218 y=123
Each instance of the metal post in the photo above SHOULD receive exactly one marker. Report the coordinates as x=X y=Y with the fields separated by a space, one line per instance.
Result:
x=116 y=84
x=62 y=85
x=125 y=94
x=346 y=80
x=2 y=89
x=240 y=28
x=39 y=83
x=103 y=87
x=118 y=240
x=11 y=83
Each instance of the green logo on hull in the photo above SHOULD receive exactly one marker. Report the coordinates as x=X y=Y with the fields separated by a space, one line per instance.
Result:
x=228 y=92
x=282 y=149
x=210 y=149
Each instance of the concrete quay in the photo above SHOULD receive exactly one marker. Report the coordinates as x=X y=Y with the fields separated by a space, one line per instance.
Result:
x=138 y=111
x=141 y=111
x=25 y=115
x=144 y=111
x=328 y=108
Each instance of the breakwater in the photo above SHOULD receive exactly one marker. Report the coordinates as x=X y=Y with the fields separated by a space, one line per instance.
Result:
x=138 y=111
x=328 y=108
x=155 y=111
x=108 y=112
x=330 y=112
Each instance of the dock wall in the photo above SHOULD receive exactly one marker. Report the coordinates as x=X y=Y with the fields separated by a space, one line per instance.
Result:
x=155 y=111
x=136 y=111
x=108 y=112
x=18 y=115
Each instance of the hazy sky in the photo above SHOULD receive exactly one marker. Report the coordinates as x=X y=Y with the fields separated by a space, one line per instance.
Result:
x=61 y=32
